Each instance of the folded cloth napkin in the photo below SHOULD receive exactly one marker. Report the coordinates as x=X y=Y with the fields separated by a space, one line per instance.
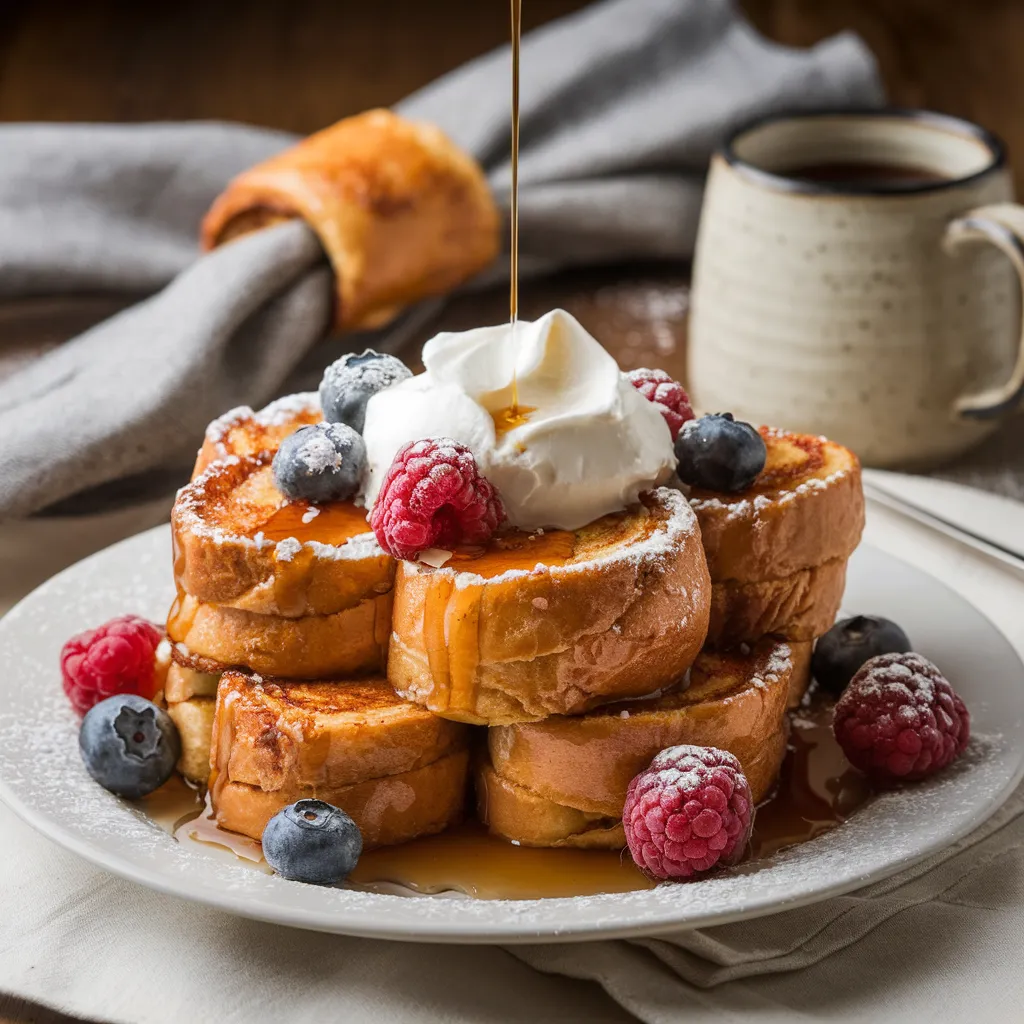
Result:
x=940 y=940
x=622 y=104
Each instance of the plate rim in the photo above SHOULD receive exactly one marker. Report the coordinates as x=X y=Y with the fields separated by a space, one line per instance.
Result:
x=469 y=931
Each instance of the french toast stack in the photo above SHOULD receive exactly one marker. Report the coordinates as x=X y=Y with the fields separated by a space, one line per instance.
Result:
x=581 y=653
x=686 y=619
x=279 y=636
x=777 y=552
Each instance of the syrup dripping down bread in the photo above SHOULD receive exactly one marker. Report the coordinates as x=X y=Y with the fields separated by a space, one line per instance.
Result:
x=238 y=542
x=563 y=781
x=554 y=623
x=398 y=770
x=777 y=552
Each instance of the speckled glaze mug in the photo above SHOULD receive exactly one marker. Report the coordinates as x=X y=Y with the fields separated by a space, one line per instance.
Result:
x=884 y=314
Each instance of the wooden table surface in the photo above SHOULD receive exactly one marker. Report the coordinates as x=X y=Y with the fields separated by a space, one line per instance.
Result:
x=301 y=64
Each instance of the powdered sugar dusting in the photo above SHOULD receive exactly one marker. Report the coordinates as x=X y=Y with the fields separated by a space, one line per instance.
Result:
x=680 y=524
x=38 y=728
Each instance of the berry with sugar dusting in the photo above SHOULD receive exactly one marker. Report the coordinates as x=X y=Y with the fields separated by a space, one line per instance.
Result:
x=719 y=453
x=350 y=382
x=899 y=720
x=321 y=462
x=118 y=657
x=688 y=812
x=434 y=496
x=667 y=394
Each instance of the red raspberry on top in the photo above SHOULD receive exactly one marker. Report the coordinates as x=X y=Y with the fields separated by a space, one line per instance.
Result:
x=434 y=496
x=690 y=810
x=119 y=657
x=667 y=394
x=899 y=720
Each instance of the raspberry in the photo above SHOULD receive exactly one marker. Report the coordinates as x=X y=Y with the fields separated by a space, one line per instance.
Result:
x=119 y=657
x=899 y=719
x=667 y=394
x=434 y=496
x=690 y=810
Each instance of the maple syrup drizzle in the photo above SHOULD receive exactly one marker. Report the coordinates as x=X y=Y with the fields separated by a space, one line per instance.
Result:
x=513 y=410
x=516 y=550
x=334 y=522
x=510 y=418
x=817 y=791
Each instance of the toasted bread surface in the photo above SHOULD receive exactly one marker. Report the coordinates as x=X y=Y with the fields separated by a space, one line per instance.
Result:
x=805 y=508
x=401 y=211
x=276 y=734
x=568 y=776
x=801 y=606
x=554 y=623
x=184 y=683
x=240 y=543
x=194 y=719
x=800 y=679
x=388 y=810
x=395 y=768
x=349 y=642
x=242 y=431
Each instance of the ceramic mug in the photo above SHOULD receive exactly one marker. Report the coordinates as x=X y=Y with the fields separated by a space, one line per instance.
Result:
x=881 y=309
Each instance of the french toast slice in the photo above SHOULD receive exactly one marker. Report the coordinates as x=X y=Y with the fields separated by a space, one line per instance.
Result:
x=777 y=551
x=563 y=781
x=398 y=770
x=242 y=431
x=238 y=542
x=554 y=622
x=190 y=689
x=352 y=641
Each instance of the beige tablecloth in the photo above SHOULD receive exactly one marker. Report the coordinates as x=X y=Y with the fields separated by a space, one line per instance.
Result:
x=941 y=941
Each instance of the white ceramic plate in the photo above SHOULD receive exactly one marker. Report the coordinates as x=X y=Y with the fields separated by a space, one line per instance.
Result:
x=42 y=778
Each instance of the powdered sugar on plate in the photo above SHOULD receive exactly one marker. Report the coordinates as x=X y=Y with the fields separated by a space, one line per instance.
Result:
x=42 y=777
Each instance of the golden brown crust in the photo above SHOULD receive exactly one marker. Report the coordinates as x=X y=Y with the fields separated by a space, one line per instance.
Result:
x=734 y=701
x=398 y=770
x=194 y=719
x=238 y=542
x=621 y=612
x=243 y=431
x=806 y=508
x=401 y=211
x=801 y=606
x=801 y=676
x=389 y=810
x=515 y=813
x=350 y=642
x=276 y=734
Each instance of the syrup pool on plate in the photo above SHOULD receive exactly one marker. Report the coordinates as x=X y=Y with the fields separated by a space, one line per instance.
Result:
x=817 y=791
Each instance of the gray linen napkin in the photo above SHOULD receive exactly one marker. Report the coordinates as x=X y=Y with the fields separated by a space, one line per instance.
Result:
x=622 y=104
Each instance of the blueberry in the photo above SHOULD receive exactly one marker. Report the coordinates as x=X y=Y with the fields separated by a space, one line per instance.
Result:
x=129 y=745
x=719 y=454
x=322 y=462
x=353 y=380
x=312 y=841
x=839 y=654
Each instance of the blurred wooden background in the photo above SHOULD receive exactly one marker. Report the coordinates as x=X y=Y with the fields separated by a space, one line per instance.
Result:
x=300 y=64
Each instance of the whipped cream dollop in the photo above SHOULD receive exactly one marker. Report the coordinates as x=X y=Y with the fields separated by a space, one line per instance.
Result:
x=586 y=442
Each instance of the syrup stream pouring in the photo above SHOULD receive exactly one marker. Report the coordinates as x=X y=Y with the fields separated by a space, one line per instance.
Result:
x=513 y=412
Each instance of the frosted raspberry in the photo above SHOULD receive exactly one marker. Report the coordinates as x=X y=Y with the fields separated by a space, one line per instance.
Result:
x=434 y=496
x=667 y=394
x=119 y=657
x=899 y=720
x=690 y=810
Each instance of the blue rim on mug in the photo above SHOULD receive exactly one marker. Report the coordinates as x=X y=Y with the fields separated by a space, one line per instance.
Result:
x=783 y=182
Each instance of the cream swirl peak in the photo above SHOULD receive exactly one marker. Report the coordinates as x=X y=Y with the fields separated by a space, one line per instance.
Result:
x=586 y=443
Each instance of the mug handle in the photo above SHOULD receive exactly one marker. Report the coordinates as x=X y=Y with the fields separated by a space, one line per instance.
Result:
x=1001 y=224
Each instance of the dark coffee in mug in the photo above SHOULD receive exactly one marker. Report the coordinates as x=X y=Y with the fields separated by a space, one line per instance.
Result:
x=872 y=175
